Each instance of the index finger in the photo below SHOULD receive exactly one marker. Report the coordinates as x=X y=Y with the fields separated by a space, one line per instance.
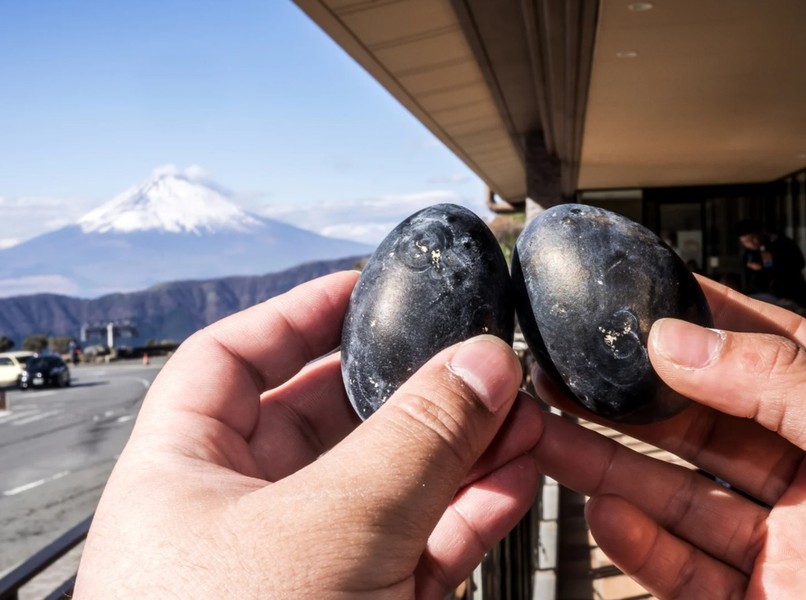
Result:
x=736 y=312
x=754 y=459
x=736 y=449
x=275 y=339
x=220 y=371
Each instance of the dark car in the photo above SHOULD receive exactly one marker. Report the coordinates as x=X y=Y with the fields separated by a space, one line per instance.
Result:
x=42 y=371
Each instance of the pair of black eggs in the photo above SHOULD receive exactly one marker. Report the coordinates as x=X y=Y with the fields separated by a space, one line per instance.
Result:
x=586 y=284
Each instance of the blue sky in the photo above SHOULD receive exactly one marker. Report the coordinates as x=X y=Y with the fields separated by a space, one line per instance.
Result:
x=94 y=95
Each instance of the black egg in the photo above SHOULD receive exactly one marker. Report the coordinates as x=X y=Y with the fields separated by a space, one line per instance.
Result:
x=437 y=279
x=588 y=285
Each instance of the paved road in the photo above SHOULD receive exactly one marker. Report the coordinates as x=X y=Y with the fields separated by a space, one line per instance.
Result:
x=57 y=448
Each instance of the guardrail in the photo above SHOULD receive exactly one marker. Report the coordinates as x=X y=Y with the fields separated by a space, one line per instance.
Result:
x=11 y=583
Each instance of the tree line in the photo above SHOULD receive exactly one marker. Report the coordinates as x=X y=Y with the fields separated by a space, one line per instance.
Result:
x=60 y=344
x=38 y=342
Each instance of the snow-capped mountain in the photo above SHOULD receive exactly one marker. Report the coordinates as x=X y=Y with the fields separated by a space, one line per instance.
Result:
x=170 y=200
x=175 y=225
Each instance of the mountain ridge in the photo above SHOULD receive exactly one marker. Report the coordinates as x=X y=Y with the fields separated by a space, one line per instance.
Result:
x=173 y=226
x=169 y=310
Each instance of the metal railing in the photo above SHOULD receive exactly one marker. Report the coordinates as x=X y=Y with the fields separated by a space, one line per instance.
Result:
x=11 y=583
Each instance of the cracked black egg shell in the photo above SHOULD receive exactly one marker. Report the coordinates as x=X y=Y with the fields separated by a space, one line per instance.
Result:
x=589 y=283
x=437 y=279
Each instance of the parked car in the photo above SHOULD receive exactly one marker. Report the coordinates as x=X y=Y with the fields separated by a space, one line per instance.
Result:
x=43 y=371
x=12 y=364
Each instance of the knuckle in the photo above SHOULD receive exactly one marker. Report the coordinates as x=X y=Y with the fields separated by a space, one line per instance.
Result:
x=436 y=572
x=288 y=330
x=609 y=460
x=784 y=361
x=681 y=502
x=438 y=416
x=771 y=413
x=750 y=542
x=700 y=435
x=686 y=577
x=787 y=357
x=211 y=335
x=780 y=477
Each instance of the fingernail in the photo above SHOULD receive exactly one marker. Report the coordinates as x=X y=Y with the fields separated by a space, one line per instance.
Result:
x=488 y=367
x=687 y=345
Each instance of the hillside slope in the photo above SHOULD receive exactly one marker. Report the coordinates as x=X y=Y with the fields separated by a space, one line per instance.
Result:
x=165 y=311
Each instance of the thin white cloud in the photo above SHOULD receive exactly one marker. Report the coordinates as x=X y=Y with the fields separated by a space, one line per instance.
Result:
x=30 y=202
x=366 y=220
x=196 y=172
x=24 y=217
x=370 y=232
x=8 y=243
x=191 y=172
x=453 y=178
x=57 y=223
x=38 y=284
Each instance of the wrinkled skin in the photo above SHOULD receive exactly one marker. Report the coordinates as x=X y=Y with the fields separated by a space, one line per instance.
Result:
x=251 y=477
x=680 y=534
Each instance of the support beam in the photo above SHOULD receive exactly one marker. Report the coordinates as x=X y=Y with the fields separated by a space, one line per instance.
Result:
x=543 y=177
x=560 y=36
x=498 y=206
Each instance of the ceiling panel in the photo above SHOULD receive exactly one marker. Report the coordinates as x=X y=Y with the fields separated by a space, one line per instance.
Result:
x=418 y=51
x=696 y=92
x=382 y=23
x=687 y=92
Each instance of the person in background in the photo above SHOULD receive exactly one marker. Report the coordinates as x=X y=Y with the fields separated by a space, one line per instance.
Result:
x=73 y=351
x=773 y=264
x=253 y=477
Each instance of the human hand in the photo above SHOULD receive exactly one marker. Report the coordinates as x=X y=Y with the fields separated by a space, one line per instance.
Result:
x=754 y=266
x=679 y=534
x=247 y=474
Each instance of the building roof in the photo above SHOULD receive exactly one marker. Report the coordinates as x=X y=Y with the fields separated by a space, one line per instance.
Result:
x=624 y=94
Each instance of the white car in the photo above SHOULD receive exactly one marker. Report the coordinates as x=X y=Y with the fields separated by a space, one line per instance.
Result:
x=11 y=366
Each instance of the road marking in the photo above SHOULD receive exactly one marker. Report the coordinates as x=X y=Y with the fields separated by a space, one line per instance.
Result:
x=37 y=417
x=13 y=415
x=41 y=393
x=107 y=415
x=124 y=418
x=35 y=484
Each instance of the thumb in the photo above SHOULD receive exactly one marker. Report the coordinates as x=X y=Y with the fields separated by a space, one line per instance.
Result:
x=757 y=376
x=412 y=455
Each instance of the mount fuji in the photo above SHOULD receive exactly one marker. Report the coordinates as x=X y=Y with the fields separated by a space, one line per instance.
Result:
x=176 y=225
